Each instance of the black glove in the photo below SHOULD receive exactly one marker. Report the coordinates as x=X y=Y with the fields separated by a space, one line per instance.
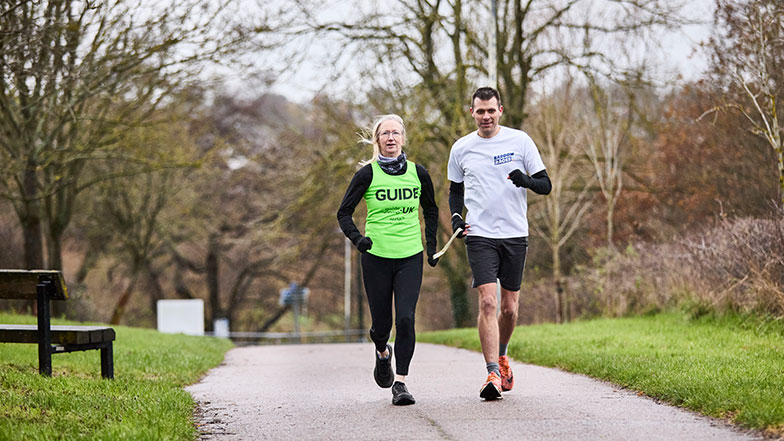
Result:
x=431 y=261
x=458 y=222
x=520 y=179
x=363 y=244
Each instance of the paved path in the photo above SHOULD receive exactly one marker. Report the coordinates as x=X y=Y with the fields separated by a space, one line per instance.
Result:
x=327 y=392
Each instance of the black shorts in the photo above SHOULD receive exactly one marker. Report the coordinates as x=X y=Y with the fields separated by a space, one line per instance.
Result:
x=501 y=259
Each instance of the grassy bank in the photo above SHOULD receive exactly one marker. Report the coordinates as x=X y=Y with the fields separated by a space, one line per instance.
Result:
x=145 y=401
x=727 y=367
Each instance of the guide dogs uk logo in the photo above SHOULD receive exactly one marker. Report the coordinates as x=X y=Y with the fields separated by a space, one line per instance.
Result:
x=503 y=159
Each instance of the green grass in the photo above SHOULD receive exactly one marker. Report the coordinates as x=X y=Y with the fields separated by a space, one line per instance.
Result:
x=145 y=401
x=727 y=367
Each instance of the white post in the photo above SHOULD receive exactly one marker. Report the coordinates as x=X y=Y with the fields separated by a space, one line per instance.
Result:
x=492 y=69
x=347 y=287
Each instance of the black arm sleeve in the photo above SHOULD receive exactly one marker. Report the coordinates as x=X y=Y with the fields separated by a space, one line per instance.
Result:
x=354 y=193
x=456 y=195
x=540 y=183
x=429 y=209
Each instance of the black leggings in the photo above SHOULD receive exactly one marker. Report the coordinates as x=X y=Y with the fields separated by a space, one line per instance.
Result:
x=382 y=277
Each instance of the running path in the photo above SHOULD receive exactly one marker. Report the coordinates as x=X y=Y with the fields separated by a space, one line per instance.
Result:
x=327 y=392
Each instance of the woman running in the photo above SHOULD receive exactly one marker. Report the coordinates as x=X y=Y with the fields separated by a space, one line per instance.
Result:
x=393 y=189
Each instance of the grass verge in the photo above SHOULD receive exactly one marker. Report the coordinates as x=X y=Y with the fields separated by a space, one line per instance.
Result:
x=145 y=401
x=728 y=367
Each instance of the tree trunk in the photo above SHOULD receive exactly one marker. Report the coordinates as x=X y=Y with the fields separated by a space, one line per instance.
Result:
x=88 y=262
x=610 y=223
x=58 y=208
x=780 y=153
x=212 y=281
x=33 y=245
x=460 y=68
x=309 y=275
x=272 y=320
x=119 y=309
x=54 y=251
x=611 y=301
x=156 y=291
x=460 y=307
x=454 y=264
x=455 y=269
x=563 y=305
x=30 y=219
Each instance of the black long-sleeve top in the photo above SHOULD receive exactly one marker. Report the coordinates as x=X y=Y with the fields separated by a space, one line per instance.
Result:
x=356 y=191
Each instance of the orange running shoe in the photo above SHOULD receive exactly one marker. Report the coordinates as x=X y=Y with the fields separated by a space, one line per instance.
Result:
x=491 y=390
x=507 y=377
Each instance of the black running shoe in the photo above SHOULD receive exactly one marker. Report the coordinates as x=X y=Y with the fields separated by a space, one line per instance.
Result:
x=383 y=371
x=400 y=395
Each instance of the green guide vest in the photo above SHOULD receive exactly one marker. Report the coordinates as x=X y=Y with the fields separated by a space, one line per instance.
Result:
x=393 y=213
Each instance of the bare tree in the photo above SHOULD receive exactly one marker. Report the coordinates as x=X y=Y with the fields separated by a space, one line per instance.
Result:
x=748 y=66
x=438 y=50
x=237 y=199
x=559 y=131
x=73 y=76
x=443 y=43
x=607 y=136
x=137 y=233
x=135 y=214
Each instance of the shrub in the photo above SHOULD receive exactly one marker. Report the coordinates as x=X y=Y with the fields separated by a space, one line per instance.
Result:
x=734 y=265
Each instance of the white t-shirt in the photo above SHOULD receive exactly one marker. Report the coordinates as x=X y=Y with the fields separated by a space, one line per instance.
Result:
x=496 y=207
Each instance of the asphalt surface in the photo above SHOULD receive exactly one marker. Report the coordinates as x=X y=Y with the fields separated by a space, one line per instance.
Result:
x=327 y=392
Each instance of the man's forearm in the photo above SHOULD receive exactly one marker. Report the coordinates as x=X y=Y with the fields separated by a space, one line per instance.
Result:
x=456 y=198
x=540 y=183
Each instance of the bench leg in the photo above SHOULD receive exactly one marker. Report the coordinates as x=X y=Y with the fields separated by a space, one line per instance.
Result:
x=107 y=361
x=44 y=330
x=44 y=360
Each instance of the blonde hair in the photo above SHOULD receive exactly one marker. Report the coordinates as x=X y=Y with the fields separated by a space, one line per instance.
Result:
x=374 y=136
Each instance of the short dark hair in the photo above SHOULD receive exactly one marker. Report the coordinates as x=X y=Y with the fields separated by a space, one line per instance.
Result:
x=484 y=94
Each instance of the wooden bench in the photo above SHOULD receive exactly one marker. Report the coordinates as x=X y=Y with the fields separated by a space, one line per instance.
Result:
x=44 y=286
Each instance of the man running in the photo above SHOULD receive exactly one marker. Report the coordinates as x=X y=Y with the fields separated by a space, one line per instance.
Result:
x=489 y=170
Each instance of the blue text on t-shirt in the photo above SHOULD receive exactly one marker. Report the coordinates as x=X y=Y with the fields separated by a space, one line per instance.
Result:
x=503 y=159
